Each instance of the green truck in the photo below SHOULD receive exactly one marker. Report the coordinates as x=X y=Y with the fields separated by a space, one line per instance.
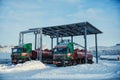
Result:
x=23 y=53
x=65 y=54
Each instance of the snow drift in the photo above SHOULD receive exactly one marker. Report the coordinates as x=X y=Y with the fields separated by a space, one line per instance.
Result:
x=29 y=65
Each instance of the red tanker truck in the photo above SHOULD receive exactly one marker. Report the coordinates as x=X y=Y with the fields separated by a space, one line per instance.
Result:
x=65 y=54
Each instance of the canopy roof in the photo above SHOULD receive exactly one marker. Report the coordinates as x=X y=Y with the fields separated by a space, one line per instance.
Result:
x=75 y=29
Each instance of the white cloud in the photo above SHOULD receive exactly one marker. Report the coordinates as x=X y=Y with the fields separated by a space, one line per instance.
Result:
x=21 y=15
x=87 y=14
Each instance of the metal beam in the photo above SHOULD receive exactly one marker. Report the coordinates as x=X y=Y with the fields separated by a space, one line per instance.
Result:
x=79 y=45
x=54 y=32
x=96 y=48
x=28 y=31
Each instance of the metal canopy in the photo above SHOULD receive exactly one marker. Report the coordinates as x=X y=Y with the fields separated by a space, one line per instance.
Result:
x=68 y=30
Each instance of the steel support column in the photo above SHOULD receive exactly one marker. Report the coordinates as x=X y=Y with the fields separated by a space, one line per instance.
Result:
x=22 y=38
x=96 y=48
x=72 y=39
x=57 y=37
x=40 y=44
x=51 y=43
x=85 y=39
x=35 y=40
x=19 y=38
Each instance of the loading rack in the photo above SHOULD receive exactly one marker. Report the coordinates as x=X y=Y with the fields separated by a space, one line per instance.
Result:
x=67 y=30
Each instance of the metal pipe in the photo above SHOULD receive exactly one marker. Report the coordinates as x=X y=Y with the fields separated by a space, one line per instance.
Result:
x=85 y=38
x=96 y=48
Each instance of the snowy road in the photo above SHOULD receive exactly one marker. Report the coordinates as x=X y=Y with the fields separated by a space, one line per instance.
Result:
x=34 y=70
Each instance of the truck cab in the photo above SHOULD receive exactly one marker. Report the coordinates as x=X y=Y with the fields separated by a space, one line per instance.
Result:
x=63 y=52
x=21 y=53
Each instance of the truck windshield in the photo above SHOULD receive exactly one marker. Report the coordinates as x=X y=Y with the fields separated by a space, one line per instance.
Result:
x=60 y=50
x=16 y=50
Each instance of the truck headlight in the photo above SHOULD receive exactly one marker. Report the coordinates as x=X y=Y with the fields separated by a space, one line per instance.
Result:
x=69 y=54
x=24 y=54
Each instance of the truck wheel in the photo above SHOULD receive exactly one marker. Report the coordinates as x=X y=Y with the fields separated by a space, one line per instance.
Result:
x=70 y=63
x=16 y=62
x=90 y=61
x=75 y=63
x=63 y=63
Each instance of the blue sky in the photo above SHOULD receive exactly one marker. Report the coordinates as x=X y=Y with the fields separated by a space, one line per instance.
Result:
x=20 y=15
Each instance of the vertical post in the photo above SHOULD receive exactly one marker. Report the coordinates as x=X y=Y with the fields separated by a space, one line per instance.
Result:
x=85 y=38
x=22 y=38
x=57 y=37
x=57 y=40
x=72 y=39
x=51 y=43
x=96 y=48
x=40 y=44
x=19 y=38
x=35 y=40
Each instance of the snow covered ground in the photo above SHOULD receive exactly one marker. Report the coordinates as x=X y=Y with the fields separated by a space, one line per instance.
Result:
x=35 y=70
x=30 y=65
x=109 y=57
x=4 y=55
